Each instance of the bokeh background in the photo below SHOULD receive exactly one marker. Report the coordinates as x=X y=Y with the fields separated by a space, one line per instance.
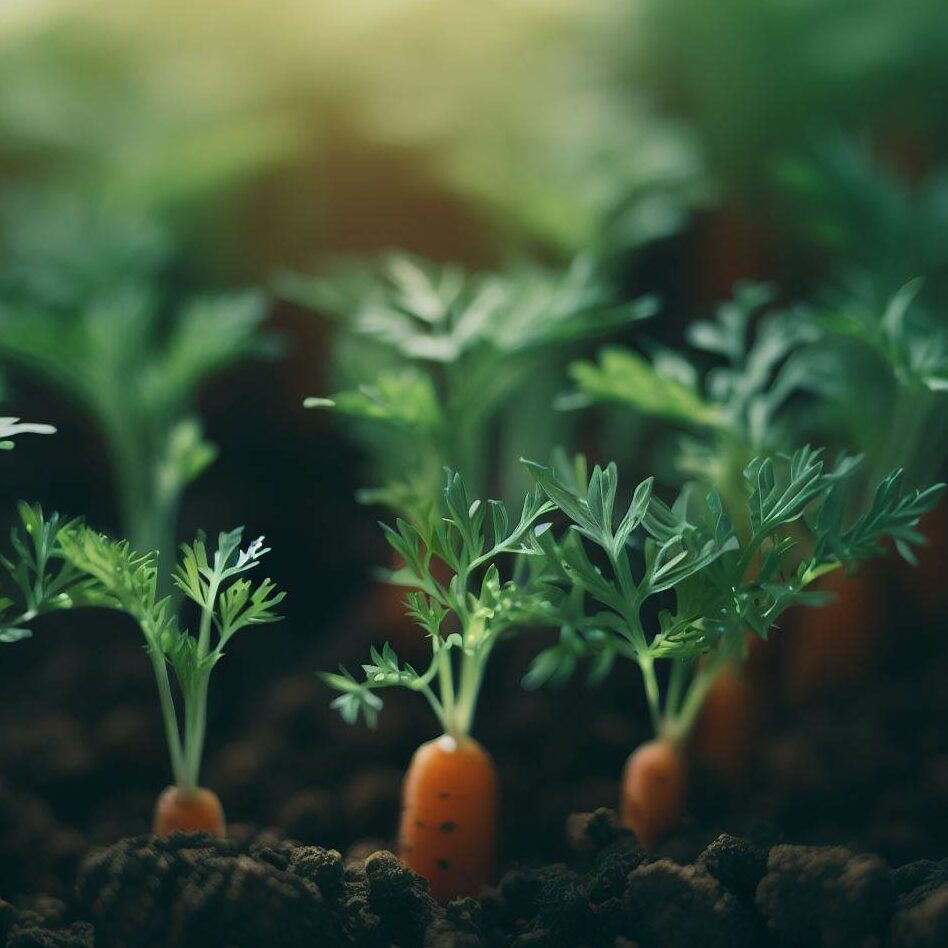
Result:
x=154 y=153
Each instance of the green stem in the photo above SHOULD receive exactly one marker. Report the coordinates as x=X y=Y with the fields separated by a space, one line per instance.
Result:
x=446 y=686
x=170 y=716
x=207 y=617
x=676 y=682
x=195 y=693
x=471 y=677
x=195 y=729
x=647 y=665
x=676 y=729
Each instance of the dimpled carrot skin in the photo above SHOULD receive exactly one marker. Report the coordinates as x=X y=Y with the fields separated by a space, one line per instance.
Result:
x=197 y=812
x=448 y=830
x=653 y=791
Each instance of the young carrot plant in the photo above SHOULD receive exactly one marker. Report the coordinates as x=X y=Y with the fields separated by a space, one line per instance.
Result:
x=905 y=348
x=744 y=406
x=438 y=362
x=770 y=388
x=448 y=829
x=82 y=306
x=877 y=226
x=713 y=585
x=228 y=601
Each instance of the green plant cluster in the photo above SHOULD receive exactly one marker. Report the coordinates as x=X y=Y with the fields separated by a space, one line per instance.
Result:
x=714 y=583
x=85 y=307
x=439 y=361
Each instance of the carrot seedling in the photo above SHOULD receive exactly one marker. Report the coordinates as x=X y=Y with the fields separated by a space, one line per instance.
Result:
x=127 y=581
x=890 y=359
x=709 y=585
x=763 y=394
x=440 y=362
x=448 y=830
x=84 y=307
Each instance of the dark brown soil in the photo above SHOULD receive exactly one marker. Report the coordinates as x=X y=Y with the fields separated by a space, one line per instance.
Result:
x=862 y=773
x=257 y=890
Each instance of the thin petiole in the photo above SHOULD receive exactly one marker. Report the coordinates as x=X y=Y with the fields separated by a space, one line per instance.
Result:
x=446 y=686
x=647 y=667
x=170 y=716
x=676 y=682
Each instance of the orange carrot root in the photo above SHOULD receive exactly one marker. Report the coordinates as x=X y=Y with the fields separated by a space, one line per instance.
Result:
x=833 y=645
x=724 y=731
x=653 y=791
x=198 y=812
x=448 y=829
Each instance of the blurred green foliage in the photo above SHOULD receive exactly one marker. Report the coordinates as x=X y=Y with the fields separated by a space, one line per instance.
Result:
x=86 y=305
x=760 y=77
x=874 y=227
x=437 y=359
x=86 y=101
x=573 y=130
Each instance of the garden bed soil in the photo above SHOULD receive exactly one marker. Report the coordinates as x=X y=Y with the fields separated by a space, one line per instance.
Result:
x=862 y=773
x=256 y=890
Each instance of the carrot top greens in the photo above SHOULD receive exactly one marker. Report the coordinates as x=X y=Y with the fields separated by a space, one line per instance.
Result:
x=894 y=352
x=711 y=583
x=120 y=578
x=782 y=377
x=85 y=306
x=42 y=581
x=752 y=400
x=714 y=585
x=35 y=567
x=451 y=561
x=437 y=359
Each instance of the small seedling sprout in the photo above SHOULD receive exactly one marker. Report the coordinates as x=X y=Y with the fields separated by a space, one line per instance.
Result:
x=464 y=616
x=127 y=581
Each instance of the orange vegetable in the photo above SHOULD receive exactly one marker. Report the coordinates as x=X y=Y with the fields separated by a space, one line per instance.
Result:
x=448 y=830
x=654 y=786
x=199 y=811
x=833 y=645
x=723 y=739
